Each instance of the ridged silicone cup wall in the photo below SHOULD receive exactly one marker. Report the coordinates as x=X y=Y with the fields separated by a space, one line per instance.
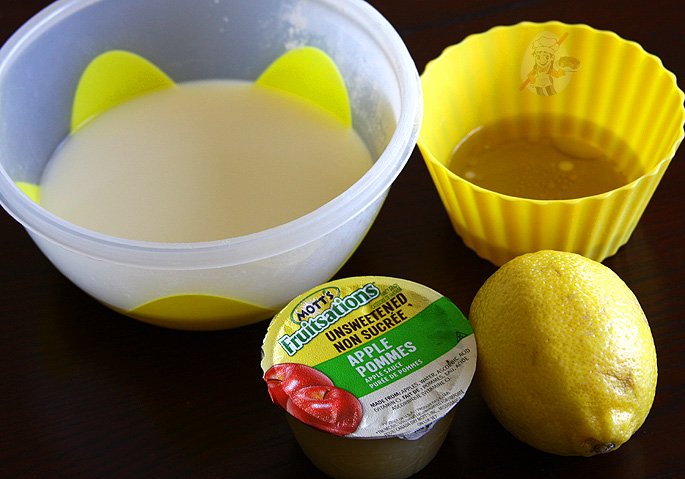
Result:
x=618 y=86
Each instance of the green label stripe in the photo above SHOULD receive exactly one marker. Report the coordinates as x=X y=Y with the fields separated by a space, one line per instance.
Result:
x=401 y=351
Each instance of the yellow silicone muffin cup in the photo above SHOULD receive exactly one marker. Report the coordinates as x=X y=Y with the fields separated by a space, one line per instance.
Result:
x=608 y=81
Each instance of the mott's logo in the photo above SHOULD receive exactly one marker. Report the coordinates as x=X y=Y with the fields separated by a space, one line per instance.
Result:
x=320 y=310
x=314 y=303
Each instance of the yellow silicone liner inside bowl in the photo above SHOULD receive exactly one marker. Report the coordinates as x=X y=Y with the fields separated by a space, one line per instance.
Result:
x=117 y=76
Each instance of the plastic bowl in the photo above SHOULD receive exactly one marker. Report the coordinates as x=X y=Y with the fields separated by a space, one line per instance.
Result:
x=614 y=84
x=218 y=284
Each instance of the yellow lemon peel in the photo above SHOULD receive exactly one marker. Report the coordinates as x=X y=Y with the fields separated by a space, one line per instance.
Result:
x=566 y=358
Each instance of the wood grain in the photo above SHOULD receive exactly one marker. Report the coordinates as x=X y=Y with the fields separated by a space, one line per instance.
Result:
x=87 y=393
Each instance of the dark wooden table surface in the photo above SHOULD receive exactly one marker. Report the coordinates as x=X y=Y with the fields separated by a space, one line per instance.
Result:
x=87 y=393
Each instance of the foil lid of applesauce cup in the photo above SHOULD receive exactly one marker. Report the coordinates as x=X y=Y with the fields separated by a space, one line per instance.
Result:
x=369 y=357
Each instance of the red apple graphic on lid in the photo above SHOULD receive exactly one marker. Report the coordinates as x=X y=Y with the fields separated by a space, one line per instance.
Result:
x=328 y=408
x=283 y=380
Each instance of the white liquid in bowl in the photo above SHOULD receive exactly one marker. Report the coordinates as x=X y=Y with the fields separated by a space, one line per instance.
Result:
x=202 y=161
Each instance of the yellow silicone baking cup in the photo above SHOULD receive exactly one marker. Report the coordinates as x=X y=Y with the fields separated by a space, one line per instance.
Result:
x=611 y=82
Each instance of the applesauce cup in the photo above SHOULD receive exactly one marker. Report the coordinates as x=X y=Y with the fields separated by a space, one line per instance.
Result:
x=369 y=370
x=599 y=78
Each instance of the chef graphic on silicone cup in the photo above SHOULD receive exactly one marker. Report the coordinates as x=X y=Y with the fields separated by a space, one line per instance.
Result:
x=547 y=68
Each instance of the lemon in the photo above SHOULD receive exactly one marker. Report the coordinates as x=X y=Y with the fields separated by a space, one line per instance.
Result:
x=566 y=358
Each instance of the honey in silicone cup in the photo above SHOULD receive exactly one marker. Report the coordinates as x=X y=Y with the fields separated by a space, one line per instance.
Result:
x=607 y=80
